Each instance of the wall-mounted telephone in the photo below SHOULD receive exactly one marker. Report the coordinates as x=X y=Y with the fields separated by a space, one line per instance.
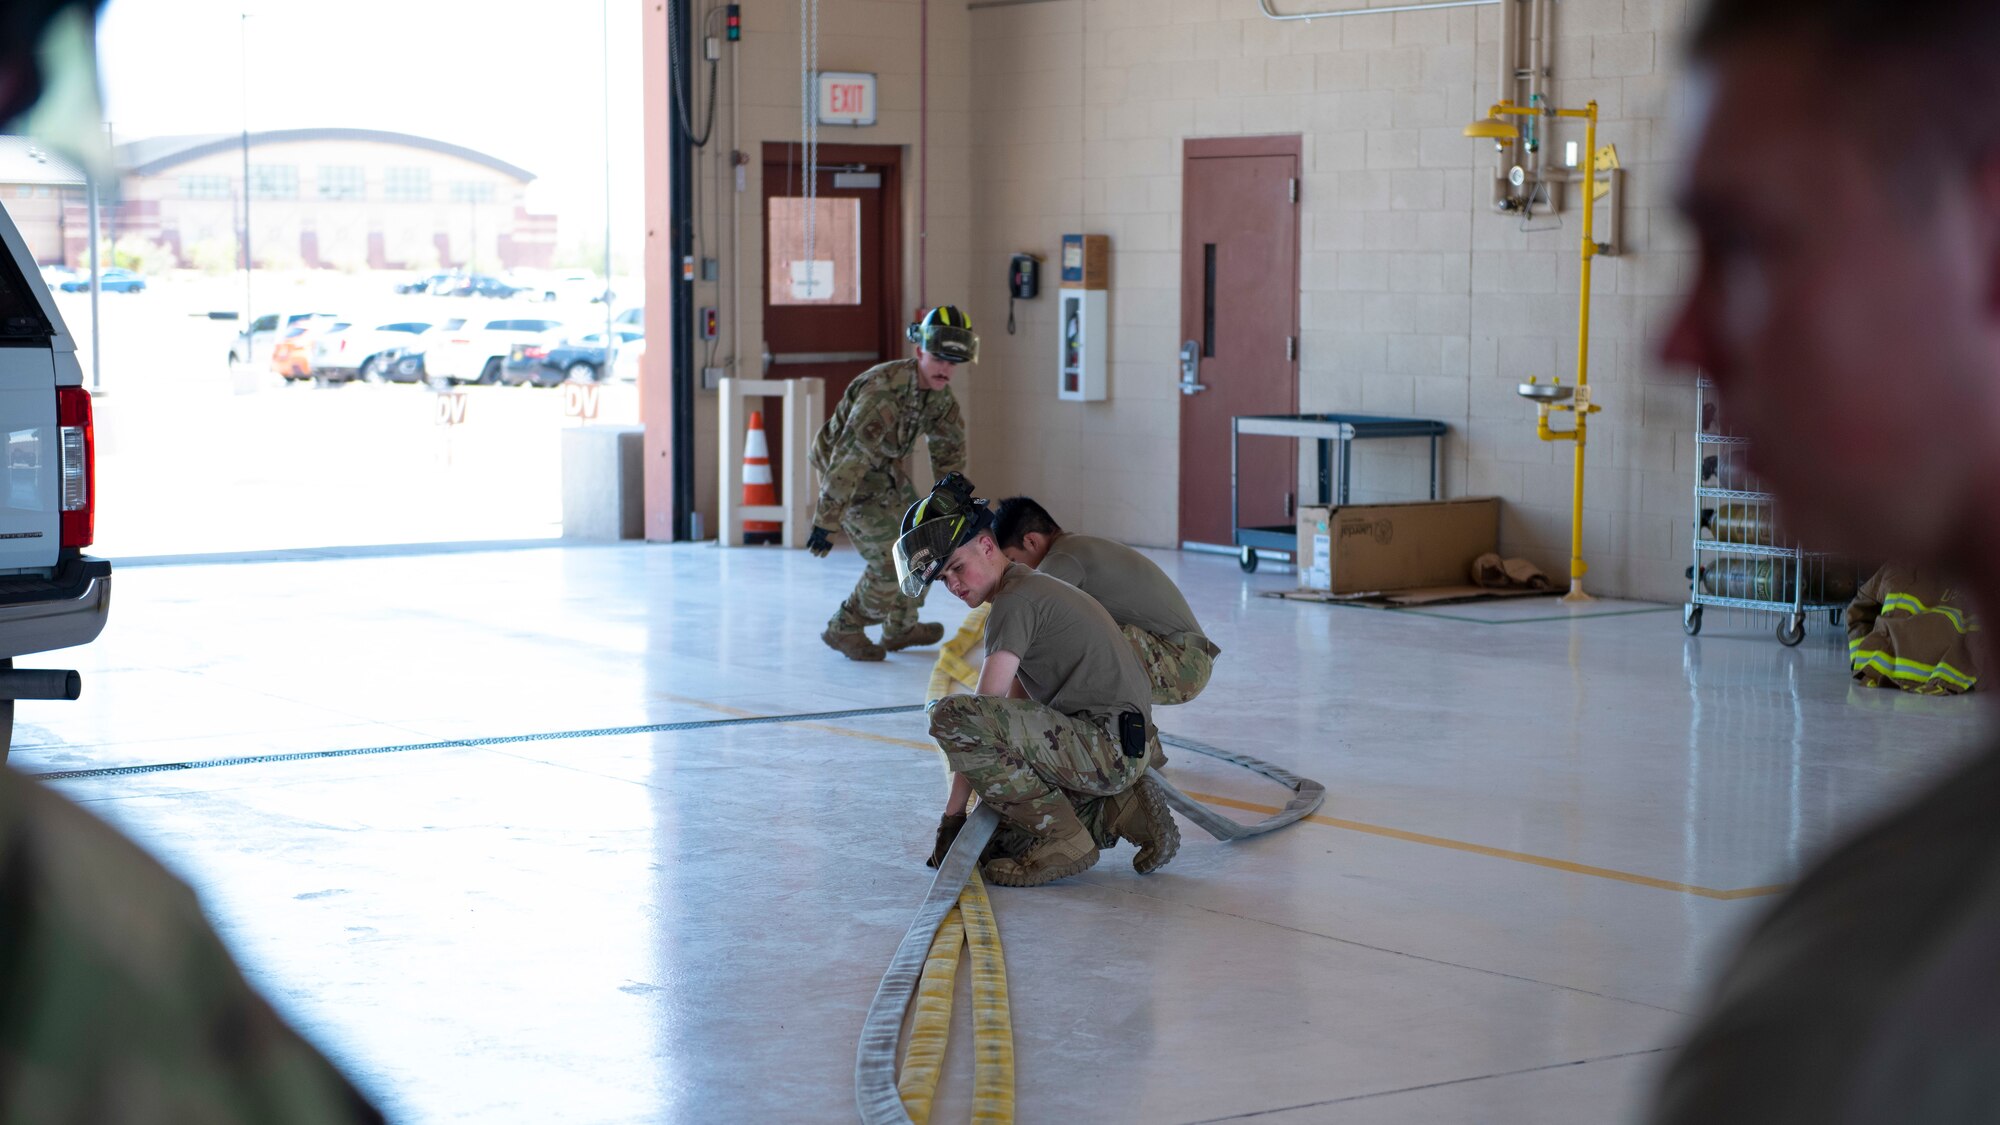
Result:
x=1024 y=277
x=1024 y=283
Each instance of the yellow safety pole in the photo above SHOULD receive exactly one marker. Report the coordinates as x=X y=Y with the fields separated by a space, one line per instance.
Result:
x=1581 y=402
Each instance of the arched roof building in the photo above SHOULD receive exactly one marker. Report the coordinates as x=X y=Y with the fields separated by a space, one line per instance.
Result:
x=345 y=198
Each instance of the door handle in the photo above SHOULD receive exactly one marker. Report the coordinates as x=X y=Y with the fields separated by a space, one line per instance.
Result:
x=1191 y=383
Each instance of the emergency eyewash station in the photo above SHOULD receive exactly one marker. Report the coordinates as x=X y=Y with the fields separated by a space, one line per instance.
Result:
x=1516 y=191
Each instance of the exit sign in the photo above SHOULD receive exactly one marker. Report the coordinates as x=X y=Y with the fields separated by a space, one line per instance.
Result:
x=846 y=98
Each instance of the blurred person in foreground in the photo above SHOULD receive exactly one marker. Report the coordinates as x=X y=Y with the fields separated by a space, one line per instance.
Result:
x=1844 y=186
x=118 y=1004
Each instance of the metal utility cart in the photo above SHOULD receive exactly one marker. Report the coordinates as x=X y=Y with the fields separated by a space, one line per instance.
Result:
x=1739 y=562
x=1328 y=430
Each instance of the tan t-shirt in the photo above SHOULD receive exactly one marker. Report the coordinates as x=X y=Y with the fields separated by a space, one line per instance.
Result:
x=1073 y=658
x=1128 y=584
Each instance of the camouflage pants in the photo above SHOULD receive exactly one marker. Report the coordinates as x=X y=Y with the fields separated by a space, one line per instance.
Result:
x=1178 y=666
x=1027 y=759
x=872 y=522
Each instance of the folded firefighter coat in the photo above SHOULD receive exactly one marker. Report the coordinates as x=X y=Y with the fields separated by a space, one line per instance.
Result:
x=1911 y=629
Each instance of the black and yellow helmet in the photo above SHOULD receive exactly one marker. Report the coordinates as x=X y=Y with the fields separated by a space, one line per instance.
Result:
x=934 y=527
x=947 y=334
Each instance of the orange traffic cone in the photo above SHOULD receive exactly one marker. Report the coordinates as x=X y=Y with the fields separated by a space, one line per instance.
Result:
x=757 y=487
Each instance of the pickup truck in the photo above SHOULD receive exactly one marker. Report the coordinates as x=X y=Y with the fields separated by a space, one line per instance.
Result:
x=52 y=595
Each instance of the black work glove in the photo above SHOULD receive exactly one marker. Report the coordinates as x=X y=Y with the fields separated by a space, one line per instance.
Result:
x=947 y=831
x=818 y=543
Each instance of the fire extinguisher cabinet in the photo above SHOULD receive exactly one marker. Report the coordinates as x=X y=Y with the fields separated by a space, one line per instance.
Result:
x=1082 y=323
x=1082 y=343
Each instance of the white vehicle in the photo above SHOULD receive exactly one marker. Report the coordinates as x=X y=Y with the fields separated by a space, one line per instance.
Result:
x=576 y=287
x=363 y=350
x=625 y=364
x=473 y=349
x=254 y=347
x=52 y=595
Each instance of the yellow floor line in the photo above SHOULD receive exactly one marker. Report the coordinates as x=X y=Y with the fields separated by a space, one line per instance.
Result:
x=1550 y=862
x=1633 y=878
x=1500 y=853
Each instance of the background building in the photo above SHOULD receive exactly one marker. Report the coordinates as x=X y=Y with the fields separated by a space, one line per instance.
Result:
x=326 y=198
x=39 y=187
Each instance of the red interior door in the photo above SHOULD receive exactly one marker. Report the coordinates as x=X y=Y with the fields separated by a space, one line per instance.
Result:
x=841 y=315
x=1240 y=309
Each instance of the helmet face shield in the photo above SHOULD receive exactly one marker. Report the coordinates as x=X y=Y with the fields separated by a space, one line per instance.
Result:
x=946 y=333
x=953 y=345
x=924 y=549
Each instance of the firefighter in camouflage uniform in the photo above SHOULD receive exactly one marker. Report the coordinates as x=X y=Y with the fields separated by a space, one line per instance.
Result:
x=865 y=489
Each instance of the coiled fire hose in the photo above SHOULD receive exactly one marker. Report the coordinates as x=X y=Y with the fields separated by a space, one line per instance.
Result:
x=956 y=911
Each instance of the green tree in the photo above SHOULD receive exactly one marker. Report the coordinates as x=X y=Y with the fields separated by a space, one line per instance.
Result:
x=214 y=256
x=143 y=255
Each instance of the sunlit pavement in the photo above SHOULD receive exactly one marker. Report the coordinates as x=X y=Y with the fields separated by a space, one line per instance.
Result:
x=190 y=463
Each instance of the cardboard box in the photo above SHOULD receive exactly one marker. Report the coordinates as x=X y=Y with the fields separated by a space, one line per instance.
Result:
x=1364 y=549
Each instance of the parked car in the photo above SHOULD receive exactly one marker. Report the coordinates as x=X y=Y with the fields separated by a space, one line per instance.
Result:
x=255 y=344
x=116 y=279
x=625 y=365
x=55 y=596
x=292 y=358
x=413 y=366
x=425 y=284
x=54 y=276
x=358 y=351
x=476 y=349
x=546 y=364
x=576 y=287
x=634 y=317
x=475 y=285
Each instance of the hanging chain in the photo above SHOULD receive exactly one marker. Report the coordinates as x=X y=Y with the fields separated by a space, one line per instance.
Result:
x=809 y=127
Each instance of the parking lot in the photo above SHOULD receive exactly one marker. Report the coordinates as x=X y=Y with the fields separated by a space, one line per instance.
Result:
x=191 y=460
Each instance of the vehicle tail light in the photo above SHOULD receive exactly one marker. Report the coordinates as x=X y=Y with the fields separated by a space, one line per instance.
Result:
x=534 y=353
x=79 y=466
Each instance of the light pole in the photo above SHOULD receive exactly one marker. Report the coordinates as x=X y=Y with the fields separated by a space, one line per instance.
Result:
x=249 y=312
x=604 y=68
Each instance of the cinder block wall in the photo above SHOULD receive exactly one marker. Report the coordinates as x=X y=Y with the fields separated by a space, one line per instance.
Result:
x=1416 y=299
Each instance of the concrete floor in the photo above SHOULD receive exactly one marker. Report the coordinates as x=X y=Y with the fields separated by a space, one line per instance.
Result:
x=1541 y=829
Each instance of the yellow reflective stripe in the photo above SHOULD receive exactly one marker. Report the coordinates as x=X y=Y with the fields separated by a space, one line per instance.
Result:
x=1912 y=606
x=1913 y=671
x=931 y=1026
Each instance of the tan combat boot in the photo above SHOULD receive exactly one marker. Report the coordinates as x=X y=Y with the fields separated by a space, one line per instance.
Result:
x=920 y=635
x=1140 y=814
x=1062 y=849
x=854 y=646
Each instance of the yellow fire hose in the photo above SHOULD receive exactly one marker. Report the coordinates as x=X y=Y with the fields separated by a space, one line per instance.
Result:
x=970 y=922
x=952 y=666
x=956 y=912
